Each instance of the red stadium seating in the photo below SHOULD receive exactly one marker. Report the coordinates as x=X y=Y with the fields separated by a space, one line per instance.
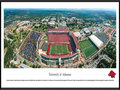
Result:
x=58 y=38
x=75 y=40
x=61 y=39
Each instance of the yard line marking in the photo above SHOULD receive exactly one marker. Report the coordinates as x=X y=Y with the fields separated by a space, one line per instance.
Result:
x=87 y=47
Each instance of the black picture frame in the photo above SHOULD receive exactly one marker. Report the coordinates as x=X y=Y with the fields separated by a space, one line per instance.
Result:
x=59 y=88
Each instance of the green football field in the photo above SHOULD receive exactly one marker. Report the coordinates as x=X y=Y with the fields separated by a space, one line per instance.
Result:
x=87 y=47
x=59 y=49
x=109 y=31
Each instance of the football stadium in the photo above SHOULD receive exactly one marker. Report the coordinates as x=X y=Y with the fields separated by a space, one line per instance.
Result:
x=61 y=48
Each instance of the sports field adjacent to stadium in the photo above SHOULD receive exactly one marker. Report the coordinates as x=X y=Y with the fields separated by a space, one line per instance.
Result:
x=59 y=49
x=109 y=31
x=87 y=47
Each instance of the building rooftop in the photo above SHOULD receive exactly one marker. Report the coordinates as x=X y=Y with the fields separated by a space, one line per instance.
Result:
x=77 y=34
x=96 y=41
x=86 y=30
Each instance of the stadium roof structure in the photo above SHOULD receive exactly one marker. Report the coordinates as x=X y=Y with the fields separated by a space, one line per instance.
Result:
x=96 y=41
x=58 y=30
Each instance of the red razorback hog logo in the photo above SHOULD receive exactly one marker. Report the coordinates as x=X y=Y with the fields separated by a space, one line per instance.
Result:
x=112 y=74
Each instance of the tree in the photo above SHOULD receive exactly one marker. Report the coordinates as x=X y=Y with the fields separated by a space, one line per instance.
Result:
x=25 y=62
x=87 y=63
x=114 y=64
x=5 y=43
x=33 y=66
x=103 y=61
x=8 y=55
x=15 y=58
x=39 y=66
x=37 y=55
x=96 y=57
x=10 y=36
x=13 y=66
x=80 y=65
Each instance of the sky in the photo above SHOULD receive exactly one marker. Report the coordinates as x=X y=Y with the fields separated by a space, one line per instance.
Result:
x=62 y=5
x=107 y=9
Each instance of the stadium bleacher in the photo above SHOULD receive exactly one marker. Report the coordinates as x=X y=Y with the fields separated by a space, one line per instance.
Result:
x=58 y=38
x=44 y=46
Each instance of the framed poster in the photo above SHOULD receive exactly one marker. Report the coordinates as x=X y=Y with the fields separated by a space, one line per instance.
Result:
x=60 y=44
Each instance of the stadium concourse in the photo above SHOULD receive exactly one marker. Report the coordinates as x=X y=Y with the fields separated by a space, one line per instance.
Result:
x=63 y=48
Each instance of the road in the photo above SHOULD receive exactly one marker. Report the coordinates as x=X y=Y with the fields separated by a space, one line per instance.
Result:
x=94 y=63
x=24 y=40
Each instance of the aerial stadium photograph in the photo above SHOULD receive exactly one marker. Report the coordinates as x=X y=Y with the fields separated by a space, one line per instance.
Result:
x=59 y=38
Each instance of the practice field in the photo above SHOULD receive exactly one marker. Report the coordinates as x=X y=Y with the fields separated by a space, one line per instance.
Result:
x=59 y=49
x=87 y=47
x=109 y=31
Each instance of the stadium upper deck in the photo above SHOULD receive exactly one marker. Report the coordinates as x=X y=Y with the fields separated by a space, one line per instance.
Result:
x=75 y=40
x=58 y=38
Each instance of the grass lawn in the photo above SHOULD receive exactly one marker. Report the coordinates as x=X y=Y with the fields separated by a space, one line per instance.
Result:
x=87 y=47
x=109 y=31
x=5 y=50
x=59 y=49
